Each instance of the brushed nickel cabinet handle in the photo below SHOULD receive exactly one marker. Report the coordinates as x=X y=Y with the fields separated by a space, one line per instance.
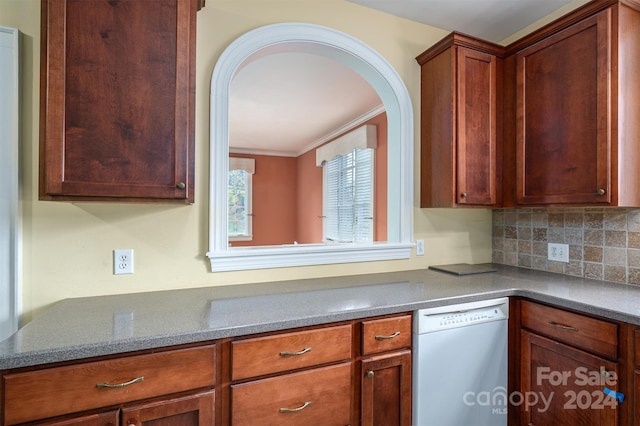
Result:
x=119 y=385
x=295 y=410
x=181 y=185
x=600 y=191
x=563 y=326
x=302 y=352
x=464 y=195
x=370 y=374
x=391 y=336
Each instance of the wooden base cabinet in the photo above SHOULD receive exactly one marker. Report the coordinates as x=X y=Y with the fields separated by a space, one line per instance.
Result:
x=172 y=387
x=386 y=389
x=298 y=377
x=570 y=368
x=566 y=385
x=385 y=371
x=354 y=372
x=351 y=373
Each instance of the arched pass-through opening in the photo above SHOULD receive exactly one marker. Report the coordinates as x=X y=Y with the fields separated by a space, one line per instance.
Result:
x=397 y=103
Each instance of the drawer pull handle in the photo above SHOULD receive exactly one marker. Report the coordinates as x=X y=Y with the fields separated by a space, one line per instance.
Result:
x=302 y=352
x=563 y=326
x=370 y=374
x=295 y=410
x=391 y=336
x=120 y=385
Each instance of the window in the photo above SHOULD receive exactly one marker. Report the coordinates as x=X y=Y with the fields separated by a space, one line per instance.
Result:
x=239 y=198
x=348 y=197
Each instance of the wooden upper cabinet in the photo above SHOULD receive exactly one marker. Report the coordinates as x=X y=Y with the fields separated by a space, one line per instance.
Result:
x=461 y=80
x=576 y=102
x=117 y=100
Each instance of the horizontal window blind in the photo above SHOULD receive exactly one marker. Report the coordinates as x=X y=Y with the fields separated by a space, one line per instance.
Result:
x=348 y=197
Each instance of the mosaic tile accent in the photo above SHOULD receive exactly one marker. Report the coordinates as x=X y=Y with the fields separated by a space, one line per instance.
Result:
x=604 y=244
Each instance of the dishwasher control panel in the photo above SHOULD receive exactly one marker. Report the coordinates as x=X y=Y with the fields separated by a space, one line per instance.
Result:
x=430 y=320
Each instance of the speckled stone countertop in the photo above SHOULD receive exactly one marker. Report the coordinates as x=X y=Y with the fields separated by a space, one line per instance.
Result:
x=87 y=327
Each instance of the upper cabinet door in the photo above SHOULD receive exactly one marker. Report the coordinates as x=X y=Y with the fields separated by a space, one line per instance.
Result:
x=564 y=116
x=117 y=100
x=477 y=127
x=461 y=80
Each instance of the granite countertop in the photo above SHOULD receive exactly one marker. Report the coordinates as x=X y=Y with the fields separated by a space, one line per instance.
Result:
x=94 y=326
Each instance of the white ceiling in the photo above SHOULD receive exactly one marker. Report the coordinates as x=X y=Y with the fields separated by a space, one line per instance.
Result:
x=284 y=103
x=492 y=20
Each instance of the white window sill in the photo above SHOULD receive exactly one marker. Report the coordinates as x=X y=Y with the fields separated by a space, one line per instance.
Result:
x=246 y=258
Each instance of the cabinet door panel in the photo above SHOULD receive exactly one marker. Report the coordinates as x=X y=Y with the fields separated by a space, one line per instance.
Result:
x=193 y=410
x=568 y=384
x=386 y=390
x=477 y=127
x=117 y=115
x=563 y=116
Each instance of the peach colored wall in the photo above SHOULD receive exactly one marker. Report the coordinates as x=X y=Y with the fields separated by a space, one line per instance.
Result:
x=310 y=190
x=309 y=205
x=274 y=205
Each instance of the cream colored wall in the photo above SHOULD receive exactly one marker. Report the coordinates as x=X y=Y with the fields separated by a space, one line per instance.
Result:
x=67 y=247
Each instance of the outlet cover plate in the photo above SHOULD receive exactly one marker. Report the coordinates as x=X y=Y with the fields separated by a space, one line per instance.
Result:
x=558 y=252
x=123 y=261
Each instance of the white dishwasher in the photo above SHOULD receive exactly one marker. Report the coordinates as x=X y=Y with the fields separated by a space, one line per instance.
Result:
x=460 y=364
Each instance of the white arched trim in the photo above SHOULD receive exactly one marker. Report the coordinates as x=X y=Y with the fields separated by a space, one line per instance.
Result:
x=397 y=103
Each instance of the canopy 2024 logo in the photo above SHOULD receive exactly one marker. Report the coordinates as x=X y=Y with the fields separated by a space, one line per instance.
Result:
x=573 y=399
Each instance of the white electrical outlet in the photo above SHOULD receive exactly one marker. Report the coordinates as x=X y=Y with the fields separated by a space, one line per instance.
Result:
x=123 y=261
x=419 y=247
x=558 y=252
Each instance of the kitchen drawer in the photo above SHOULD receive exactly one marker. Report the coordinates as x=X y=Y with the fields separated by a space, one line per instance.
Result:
x=63 y=390
x=591 y=334
x=386 y=334
x=320 y=396
x=289 y=351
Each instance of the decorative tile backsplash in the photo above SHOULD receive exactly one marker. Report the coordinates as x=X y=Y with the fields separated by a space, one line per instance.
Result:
x=604 y=244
